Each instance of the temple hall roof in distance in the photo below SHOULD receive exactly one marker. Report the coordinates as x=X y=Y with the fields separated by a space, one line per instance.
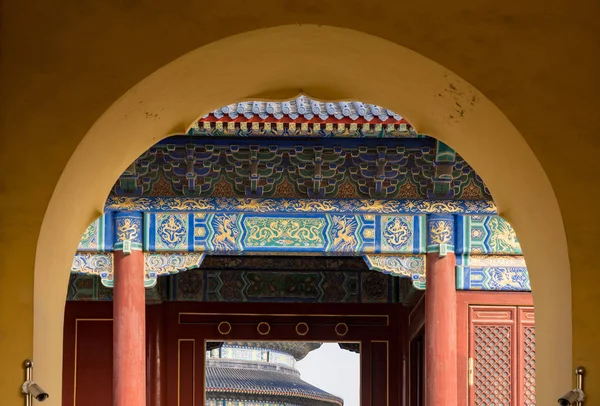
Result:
x=248 y=380
x=298 y=350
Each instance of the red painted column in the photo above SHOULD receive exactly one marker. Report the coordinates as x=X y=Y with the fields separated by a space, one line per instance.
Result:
x=440 y=314
x=129 y=313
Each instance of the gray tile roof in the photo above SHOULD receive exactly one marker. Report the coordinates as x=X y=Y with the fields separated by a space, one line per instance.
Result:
x=305 y=107
x=227 y=378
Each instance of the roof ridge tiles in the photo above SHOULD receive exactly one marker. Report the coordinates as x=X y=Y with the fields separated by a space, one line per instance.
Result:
x=306 y=108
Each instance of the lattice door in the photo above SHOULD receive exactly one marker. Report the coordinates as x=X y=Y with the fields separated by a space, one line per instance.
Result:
x=526 y=356
x=502 y=356
x=493 y=356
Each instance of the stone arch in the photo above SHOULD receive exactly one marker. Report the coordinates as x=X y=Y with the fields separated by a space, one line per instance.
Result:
x=435 y=100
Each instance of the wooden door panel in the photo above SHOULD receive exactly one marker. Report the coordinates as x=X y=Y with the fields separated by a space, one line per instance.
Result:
x=417 y=370
x=93 y=363
x=87 y=354
x=526 y=356
x=493 y=355
x=502 y=355
x=380 y=376
x=186 y=376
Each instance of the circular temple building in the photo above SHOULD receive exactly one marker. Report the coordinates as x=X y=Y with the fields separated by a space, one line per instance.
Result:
x=261 y=374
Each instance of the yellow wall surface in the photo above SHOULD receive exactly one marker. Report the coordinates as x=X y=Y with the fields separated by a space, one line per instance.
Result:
x=515 y=91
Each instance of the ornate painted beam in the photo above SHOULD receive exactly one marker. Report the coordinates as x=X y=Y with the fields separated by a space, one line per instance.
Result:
x=211 y=126
x=313 y=233
x=176 y=233
x=300 y=206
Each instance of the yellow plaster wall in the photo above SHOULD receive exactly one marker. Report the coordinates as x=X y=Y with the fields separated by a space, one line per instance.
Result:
x=63 y=64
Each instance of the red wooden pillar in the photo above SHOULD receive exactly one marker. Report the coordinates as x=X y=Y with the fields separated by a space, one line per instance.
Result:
x=440 y=314
x=129 y=323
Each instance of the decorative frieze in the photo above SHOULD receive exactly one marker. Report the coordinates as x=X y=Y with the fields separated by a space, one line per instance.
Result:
x=393 y=236
x=492 y=272
x=285 y=206
x=128 y=231
x=440 y=233
x=98 y=237
x=156 y=264
x=409 y=266
x=244 y=285
x=376 y=169
x=492 y=235
x=318 y=234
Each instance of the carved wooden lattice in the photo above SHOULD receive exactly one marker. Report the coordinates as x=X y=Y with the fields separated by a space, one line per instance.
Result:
x=492 y=359
x=502 y=352
x=529 y=365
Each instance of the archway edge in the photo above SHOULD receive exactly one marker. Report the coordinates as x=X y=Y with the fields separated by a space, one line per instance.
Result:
x=336 y=64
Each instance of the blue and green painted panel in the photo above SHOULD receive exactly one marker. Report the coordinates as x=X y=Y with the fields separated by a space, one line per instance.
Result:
x=280 y=226
x=169 y=232
x=478 y=234
x=441 y=233
x=98 y=237
x=128 y=226
x=232 y=233
x=493 y=278
x=277 y=233
x=386 y=232
x=492 y=272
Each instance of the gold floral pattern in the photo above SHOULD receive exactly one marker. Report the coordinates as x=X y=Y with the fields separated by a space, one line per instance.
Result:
x=266 y=205
x=284 y=232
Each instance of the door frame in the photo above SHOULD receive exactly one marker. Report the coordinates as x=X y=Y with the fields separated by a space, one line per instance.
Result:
x=465 y=299
x=381 y=326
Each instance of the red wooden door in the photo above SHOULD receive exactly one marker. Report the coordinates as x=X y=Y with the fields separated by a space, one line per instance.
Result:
x=87 y=354
x=501 y=356
x=417 y=370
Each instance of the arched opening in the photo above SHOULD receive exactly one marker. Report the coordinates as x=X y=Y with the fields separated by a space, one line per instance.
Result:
x=435 y=100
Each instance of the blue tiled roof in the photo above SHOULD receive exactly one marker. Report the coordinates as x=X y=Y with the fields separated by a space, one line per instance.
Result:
x=238 y=378
x=307 y=108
